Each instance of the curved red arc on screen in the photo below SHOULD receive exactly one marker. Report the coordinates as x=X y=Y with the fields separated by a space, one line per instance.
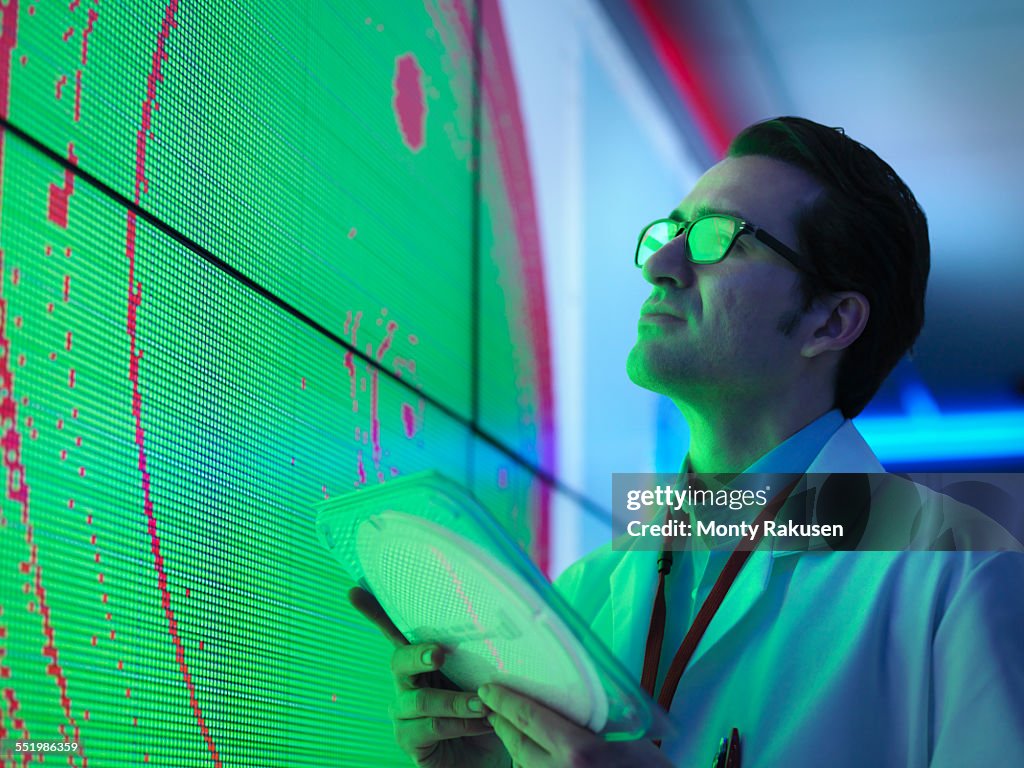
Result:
x=501 y=101
x=134 y=301
x=681 y=70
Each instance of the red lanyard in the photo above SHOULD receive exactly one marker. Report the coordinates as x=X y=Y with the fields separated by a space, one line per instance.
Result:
x=656 y=632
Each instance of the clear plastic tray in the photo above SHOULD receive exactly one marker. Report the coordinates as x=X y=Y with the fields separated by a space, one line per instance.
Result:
x=446 y=572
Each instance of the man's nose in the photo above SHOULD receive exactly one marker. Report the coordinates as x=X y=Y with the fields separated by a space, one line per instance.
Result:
x=669 y=265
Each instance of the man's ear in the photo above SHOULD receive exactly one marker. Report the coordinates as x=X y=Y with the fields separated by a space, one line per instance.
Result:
x=842 y=318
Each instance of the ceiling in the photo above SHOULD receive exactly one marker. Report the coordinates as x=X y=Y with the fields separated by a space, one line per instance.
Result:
x=936 y=88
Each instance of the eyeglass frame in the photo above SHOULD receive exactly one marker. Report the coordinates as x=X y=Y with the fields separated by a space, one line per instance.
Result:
x=798 y=260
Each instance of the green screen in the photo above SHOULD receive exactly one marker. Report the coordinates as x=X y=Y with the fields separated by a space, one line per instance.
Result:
x=251 y=258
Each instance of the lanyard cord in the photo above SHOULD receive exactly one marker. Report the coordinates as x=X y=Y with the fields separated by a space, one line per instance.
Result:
x=656 y=632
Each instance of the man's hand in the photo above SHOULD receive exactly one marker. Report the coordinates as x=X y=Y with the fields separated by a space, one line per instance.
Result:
x=436 y=724
x=538 y=737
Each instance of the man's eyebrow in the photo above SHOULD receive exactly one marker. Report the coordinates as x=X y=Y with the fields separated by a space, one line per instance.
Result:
x=703 y=210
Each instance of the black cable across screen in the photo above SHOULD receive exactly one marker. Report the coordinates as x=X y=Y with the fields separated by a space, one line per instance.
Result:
x=470 y=424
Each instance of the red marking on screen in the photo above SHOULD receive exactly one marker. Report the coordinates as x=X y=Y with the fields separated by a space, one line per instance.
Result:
x=360 y=468
x=67 y=278
x=61 y=82
x=303 y=382
x=374 y=419
x=16 y=485
x=58 y=201
x=350 y=366
x=85 y=35
x=71 y=381
x=134 y=301
x=68 y=33
x=409 y=103
x=15 y=276
x=352 y=234
x=385 y=343
x=408 y=420
x=399 y=363
x=73 y=5
x=23 y=60
x=78 y=95
x=355 y=328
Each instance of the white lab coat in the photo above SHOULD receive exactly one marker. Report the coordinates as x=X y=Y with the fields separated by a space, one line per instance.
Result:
x=863 y=659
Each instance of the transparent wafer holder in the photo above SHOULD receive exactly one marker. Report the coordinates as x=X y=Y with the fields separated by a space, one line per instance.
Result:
x=445 y=572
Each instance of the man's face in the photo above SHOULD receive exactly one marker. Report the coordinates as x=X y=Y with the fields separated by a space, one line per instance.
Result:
x=716 y=329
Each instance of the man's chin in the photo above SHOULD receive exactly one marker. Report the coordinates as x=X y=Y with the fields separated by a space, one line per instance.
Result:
x=645 y=370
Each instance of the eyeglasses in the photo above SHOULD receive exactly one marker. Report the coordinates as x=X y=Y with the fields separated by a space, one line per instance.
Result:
x=708 y=239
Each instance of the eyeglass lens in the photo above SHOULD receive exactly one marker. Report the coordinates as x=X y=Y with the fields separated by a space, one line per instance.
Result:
x=708 y=239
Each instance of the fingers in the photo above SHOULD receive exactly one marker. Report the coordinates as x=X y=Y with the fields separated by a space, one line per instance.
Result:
x=521 y=748
x=367 y=604
x=419 y=737
x=544 y=727
x=410 y=660
x=433 y=702
x=425 y=716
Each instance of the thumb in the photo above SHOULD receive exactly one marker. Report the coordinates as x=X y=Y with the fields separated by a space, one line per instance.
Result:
x=367 y=604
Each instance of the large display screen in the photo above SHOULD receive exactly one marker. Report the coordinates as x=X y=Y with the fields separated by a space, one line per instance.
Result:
x=251 y=257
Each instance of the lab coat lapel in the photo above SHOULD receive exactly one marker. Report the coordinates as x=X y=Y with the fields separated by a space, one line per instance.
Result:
x=750 y=584
x=845 y=451
x=633 y=584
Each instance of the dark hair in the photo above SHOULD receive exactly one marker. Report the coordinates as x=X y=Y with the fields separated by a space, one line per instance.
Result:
x=864 y=233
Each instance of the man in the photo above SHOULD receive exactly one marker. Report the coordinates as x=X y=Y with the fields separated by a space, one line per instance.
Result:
x=785 y=287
